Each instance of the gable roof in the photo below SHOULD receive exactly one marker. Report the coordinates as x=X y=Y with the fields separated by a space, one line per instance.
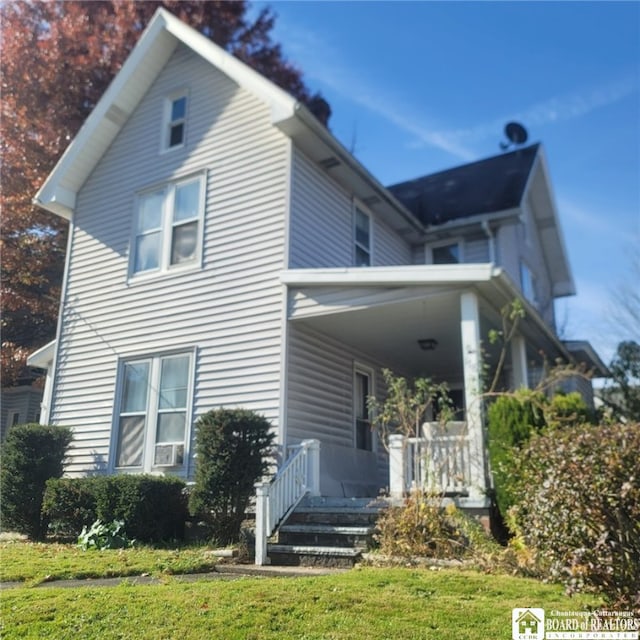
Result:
x=486 y=186
x=491 y=188
x=153 y=50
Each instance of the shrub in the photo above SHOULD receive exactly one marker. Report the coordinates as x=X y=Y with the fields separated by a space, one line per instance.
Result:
x=69 y=504
x=232 y=446
x=153 y=508
x=577 y=507
x=511 y=421
x=422 y=527
x=31 y=454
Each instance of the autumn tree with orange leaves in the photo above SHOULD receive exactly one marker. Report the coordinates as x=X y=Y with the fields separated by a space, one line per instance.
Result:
x=57 y=60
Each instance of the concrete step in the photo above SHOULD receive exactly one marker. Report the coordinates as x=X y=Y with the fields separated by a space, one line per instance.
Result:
x=327 y=535
x=312 y=555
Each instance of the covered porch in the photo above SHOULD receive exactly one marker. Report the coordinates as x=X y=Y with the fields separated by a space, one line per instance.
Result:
x=424 y=321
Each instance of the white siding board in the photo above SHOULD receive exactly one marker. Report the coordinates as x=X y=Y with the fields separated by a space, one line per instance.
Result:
x=230 y=309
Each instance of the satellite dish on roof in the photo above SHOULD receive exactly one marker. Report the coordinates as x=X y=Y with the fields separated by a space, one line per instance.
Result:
x=516 y=134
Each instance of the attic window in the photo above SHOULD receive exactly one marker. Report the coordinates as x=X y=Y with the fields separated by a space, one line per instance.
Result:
x=446 y=254
x=175 y=120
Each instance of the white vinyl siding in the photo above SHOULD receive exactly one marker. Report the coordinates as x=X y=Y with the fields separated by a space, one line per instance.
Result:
x=322 y=223
x=320 y=400
x=230 y=309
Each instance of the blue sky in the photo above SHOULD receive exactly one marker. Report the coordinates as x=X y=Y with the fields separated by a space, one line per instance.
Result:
x=417 y=87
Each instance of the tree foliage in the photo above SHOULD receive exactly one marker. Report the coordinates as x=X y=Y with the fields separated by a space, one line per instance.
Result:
x=623 y=395
x=57 y=60
x=232 y=446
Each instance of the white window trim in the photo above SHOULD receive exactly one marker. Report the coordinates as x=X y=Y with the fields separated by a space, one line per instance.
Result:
x=436 y=245
x=166 y=267
x=149 y=443
x=359 y=368
x=167 y=123
x=357 y=206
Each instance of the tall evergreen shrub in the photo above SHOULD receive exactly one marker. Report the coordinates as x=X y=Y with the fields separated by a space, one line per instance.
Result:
x=31 y=454
x=232 y=446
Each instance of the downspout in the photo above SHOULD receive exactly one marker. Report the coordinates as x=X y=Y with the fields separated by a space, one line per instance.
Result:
x=492 y=241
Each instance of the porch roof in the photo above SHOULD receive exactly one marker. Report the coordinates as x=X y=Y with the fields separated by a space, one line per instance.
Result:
x=384 y=311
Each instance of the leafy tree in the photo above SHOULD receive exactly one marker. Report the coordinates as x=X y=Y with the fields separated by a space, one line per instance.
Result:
x=57 y=60
x=623 y=395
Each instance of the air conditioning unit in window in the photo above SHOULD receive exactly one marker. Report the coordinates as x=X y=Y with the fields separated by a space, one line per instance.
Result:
x=169 y=455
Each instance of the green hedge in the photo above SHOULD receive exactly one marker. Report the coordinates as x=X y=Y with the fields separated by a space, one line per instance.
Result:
x=232 y=446
x=153 y=508
x=31 y=454
x=577 y=507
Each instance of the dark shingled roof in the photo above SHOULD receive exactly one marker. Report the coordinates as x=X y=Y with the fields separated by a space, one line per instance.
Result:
x=486 y=186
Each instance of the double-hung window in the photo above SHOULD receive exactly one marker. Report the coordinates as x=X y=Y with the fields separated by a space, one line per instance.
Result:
x=362 y=238
x=362 y=416
x=152 y=422
x=175 y=118
x=168 y=226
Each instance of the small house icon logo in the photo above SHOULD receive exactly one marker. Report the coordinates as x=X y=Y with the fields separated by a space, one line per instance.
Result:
x=527 y=624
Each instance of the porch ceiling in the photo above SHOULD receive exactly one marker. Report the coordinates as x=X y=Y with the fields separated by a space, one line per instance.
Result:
x=389 y=332
x=384 y=311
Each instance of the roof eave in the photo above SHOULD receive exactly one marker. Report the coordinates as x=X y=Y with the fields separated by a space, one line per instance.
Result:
x=319 y=143
x=155 y=46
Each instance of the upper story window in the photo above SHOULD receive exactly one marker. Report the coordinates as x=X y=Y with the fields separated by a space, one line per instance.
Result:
x=446 y=254
x=175 y=121
x=152 y=419
x=528 y=283
x=168 y=226
x=362 y=239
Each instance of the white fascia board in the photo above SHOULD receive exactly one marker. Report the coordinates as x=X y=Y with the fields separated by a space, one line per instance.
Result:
x=566 y=287
x=150 y=45
x=390 y=276
x=282 y=104
x=43 y=357
x=126 y=90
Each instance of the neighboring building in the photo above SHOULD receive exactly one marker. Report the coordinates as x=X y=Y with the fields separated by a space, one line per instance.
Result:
x=226 y=250
x=19 y=405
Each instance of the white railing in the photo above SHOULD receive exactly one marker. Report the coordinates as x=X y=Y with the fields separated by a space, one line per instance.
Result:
x=298 y=476
x=439 y=462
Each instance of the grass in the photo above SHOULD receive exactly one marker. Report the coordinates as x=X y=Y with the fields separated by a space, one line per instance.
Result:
x=402 y=604
x=36 y=562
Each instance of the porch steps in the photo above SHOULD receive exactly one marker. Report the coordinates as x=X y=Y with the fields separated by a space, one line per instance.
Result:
x=330 y=532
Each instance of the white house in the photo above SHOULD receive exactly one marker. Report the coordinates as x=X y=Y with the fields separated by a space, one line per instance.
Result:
x=226 y=250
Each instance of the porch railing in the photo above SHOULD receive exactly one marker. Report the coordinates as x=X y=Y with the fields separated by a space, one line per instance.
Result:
x=439 y=461
x=298 y=476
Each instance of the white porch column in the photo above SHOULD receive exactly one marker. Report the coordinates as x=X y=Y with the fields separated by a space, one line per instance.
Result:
x=262 y=514
x=472 y=362
x=313 y=466
x=396 y=465
x=519 y=362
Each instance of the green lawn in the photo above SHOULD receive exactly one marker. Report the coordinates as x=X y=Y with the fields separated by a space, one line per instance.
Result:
x=363 y=604
x=35 y=562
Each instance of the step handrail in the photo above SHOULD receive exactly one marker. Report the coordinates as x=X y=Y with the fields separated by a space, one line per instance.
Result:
x=276 y=499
